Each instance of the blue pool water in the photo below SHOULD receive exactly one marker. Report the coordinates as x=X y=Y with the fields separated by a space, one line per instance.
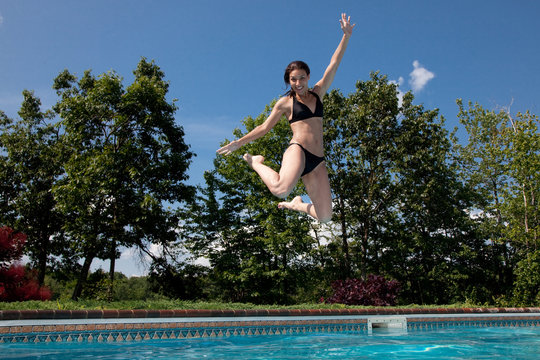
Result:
x=451 y=343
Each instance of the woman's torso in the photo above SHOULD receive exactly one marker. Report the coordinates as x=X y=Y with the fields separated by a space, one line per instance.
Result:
x=307 y=124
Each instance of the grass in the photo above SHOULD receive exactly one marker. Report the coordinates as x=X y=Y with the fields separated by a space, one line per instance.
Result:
x=180 y=305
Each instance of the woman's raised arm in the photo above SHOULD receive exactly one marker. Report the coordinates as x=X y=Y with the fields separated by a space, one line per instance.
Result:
x=323 y=85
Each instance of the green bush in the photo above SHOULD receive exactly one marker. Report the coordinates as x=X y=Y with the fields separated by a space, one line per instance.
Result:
x=527 y=283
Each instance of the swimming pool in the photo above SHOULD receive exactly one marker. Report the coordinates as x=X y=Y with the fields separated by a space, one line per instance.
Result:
x=340 y=334
x=449 y=343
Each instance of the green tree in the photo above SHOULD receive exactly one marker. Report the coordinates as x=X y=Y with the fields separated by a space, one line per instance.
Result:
x=125 y=160
x=482 y=162
x=29 y=167
x=436 y=252
x=399 y=207
x=360 y=137
x=522 y=151
x=501 y=162
x=8 y=187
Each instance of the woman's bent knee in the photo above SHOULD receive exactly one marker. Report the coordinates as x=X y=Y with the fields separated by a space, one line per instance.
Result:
x=325 y=216
x=280 y=191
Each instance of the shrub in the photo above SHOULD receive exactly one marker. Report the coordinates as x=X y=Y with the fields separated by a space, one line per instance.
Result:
x=19 y=284
x=16 y=282
x=11 y=246
x=527 y=283
x=374 y=291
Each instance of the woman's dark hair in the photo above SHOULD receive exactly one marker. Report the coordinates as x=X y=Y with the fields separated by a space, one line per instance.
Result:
x=295 y=65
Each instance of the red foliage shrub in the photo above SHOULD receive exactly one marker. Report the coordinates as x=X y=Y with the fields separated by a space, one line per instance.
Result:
x=11 y=245
x=374 y=291
x=16 y=282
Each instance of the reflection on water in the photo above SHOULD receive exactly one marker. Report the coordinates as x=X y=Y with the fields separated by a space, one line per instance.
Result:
x=488 y=343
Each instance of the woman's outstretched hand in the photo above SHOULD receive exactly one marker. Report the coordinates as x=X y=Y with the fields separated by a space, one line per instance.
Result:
x=229 y=148
x=346 y=26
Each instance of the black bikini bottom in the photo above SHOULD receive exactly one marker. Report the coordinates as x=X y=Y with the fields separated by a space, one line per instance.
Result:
x=312 y=160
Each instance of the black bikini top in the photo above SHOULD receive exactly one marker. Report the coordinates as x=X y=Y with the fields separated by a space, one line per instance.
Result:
x=301 y=111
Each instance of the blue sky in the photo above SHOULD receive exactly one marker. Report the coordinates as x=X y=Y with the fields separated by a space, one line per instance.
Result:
x=225 y=59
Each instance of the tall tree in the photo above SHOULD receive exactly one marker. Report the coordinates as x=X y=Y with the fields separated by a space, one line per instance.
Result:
x=501 y=162
x=522 y=196
x=361 y=141
x=8 y=187
x=399 y=207
x=485 y=161
x=30 y=166
x=435 y=240
x=126 y=161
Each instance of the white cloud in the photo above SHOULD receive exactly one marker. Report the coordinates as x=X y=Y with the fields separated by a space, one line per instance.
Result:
x=400 y=93
x=419 y=77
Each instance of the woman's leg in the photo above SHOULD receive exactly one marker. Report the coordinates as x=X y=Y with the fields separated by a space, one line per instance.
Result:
x=318 y=189
x=280 y=184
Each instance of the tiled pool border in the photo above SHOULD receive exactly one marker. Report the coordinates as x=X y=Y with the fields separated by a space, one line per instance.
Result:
x=118 y=325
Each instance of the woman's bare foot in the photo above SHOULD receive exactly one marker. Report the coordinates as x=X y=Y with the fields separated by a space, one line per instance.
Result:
x=250 y=159
x=295 y=204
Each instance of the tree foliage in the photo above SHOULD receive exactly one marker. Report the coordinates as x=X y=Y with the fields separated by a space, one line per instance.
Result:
x=400 y=207
x=29 y=167
x=124 y=158
x=501 y=162
x=106 y=174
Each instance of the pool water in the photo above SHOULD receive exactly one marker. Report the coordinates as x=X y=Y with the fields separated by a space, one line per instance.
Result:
x=450 y=343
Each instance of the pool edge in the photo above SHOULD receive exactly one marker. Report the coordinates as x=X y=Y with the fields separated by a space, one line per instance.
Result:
x=194 y=313
x=117 y=329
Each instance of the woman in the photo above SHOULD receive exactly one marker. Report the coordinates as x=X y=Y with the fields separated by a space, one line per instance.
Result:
x=304 y=158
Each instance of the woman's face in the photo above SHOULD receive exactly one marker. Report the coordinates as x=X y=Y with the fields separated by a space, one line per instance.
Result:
x=298 y=79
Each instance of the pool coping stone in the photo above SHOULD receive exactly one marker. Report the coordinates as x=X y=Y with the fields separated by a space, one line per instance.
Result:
x=197 y=313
